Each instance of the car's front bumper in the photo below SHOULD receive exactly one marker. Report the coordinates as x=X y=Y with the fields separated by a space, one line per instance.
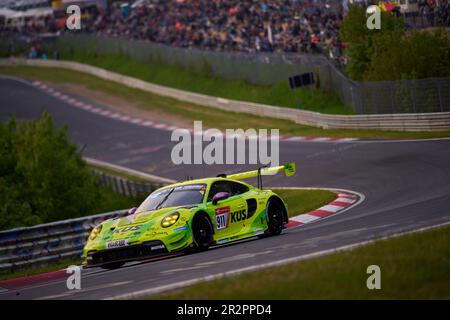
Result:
x=163 y=245
x=142 y=251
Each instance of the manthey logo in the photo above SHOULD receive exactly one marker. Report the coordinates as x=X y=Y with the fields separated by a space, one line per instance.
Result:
x=234 y=146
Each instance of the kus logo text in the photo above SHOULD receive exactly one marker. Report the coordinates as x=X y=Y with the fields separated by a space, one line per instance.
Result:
x=239 y=215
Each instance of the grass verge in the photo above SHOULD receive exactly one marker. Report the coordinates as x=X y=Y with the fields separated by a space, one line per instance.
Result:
x=212 y=118
x=301 y=201
x=204 y=82
x=413 y=266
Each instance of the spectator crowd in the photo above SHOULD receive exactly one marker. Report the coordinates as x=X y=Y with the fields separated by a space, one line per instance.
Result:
x=246 y=25
x=435 y=12
x=300 y=26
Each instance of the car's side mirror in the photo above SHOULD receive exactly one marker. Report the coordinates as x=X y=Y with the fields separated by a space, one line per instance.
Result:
x=131 y=211
x=219 y=196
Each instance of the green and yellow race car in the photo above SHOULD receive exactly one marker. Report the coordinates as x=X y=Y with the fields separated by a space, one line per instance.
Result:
x=190 y=216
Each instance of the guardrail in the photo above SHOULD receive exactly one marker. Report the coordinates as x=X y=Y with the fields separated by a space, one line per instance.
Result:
x=48 y=243
x=433 y=121
x=125 y=187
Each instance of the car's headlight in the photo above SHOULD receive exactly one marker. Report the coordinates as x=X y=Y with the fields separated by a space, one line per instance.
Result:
x=95 y=232
x=170 y=220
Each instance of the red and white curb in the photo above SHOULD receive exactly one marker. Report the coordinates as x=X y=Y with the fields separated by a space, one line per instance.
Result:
x=161 y=126
x=344 y=201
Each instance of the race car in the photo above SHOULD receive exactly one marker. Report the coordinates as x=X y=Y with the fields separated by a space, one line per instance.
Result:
x=190 y=216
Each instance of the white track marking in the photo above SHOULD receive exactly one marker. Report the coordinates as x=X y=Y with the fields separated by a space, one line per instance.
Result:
x=346 y=200
x=304 y=218
x=331 y=208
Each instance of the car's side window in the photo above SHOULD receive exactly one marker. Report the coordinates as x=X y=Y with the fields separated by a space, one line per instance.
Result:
x=238 y=188
x=233 y=188
x=219 y=186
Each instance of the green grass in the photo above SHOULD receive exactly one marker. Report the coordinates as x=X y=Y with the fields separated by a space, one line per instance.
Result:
x=212 y=118
x=203 y=82
x=40 y=270
x=301 y=201
x=414 y=266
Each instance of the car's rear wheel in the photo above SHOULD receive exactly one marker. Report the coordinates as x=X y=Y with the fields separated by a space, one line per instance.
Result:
x=275 y=217
x=113 y=265
x=202 y=232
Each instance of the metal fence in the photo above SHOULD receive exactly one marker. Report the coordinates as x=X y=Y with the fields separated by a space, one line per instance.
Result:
x=46 y=244
x=408 y=96
x=260 y=69
x=124 y=186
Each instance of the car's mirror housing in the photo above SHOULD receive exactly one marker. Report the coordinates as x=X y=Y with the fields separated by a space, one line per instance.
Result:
x=220 y=196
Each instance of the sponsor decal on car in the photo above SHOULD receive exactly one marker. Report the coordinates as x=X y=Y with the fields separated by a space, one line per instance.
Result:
x=117 y=244
x=239 y=215
x=126 y=229
x=222 y=217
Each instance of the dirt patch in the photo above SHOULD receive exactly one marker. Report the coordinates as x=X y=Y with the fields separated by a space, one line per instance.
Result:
x=121 y=105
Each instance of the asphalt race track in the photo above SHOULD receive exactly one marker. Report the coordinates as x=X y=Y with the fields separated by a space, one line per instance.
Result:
x=406 y=186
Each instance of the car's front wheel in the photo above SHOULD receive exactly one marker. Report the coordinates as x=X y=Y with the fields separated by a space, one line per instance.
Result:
x=202 y=232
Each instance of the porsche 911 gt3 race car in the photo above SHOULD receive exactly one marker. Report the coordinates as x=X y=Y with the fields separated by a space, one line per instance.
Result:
x=190 y=216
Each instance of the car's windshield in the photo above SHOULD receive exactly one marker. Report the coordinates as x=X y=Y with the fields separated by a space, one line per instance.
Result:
x=173 y=197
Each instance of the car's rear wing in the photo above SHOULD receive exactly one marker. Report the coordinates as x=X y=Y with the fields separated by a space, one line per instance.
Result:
x=288 y=168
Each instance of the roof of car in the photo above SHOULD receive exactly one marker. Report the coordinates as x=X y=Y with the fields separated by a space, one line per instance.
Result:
x=200 y=181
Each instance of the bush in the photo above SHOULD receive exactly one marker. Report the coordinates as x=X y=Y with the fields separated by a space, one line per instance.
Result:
x=42 y=175
x=415 y=55
x=360 y=40
x=392 y=53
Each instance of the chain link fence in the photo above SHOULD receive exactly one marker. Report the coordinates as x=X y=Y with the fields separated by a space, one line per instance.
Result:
x=378 y=97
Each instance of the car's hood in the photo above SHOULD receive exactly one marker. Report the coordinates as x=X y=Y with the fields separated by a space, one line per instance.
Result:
x=132 y=226
x=145 y=217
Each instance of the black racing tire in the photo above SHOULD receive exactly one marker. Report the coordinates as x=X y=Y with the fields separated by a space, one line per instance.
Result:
x=202 y=232
x=113 y=265
x=275 y=217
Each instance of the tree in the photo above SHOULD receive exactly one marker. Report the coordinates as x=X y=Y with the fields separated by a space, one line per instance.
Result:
x=42 y=175
x=415 y=55
x=360 y=40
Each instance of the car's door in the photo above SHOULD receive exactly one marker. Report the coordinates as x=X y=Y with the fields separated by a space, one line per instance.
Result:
x=229 y=214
